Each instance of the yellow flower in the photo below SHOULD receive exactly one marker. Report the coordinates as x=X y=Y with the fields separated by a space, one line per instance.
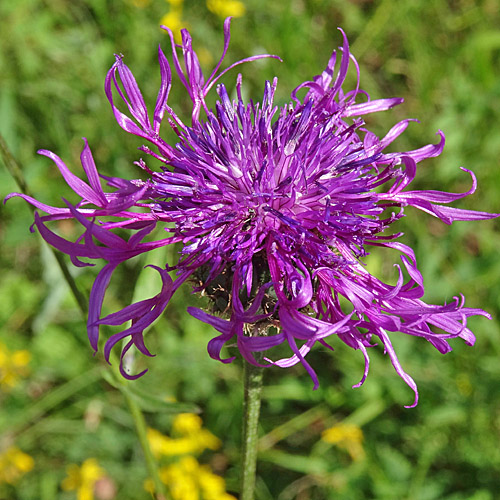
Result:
x=193 y=438
x=186 y=478
x=186 y=423
x=212 y=486
x=192 y=444
x=348 y=437
x=14 y=464
x=13 y=366
x=158 y=442
x=181 y=479
x=173 y=20
x=83 y=479
x=225 y=8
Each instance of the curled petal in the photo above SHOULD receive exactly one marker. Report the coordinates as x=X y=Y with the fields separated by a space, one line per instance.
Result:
x=373 y=106
x=163 y=92
x=136 y=107
x=362 y=348
x=420 y=154
x=59 y=212
x=397 y=366
x=95 y=302
x=75 y=183
x=298 y=357
x=124 y=373
x=425 y=201
x=344 y=64
x=142 y=314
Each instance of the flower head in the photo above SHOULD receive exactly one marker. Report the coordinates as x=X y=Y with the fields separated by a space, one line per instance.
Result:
x=275 y=208
x=14 y=464
x=347 y=436
x=188 y=480
x=83 y=479
x=191 y=437
x=13 y=366
x=173 y=18
x=185 y=477
x=225 y=8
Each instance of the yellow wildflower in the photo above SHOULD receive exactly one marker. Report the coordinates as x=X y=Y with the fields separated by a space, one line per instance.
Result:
x=13 y=366
x=212 y=486
x=83 y=479
x=181 y=479
x=186 y=423
x=348 y=437
x=225 y=8
x=173 y=19
x=193 y=438
x=186 y=478
x=14 y=464
x=157 y=442
x=194 y=443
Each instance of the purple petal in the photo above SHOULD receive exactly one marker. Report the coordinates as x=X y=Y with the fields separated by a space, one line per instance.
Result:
x=74 y=182
x=373 y=106
x=166 y=83
x=62 y=212
x=88 y=165
x=95 y=302
x=123 y=120
x=397 y=366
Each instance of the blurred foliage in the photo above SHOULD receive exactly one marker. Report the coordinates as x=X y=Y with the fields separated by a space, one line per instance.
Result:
x=443 y=58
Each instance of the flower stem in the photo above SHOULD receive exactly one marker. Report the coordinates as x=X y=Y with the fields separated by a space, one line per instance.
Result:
x=140 y=427
x=253 y=376
x=151 y=464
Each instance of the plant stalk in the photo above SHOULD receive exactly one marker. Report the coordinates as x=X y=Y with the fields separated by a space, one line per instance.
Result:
x=151 y=463
x=253 y=377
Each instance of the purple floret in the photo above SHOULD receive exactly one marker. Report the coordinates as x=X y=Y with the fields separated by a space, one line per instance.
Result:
x=275 y=208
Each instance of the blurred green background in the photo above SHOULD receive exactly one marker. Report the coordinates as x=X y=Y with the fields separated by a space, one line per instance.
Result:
x=57 y=408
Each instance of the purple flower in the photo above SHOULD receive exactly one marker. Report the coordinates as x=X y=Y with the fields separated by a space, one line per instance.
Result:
x=275 y=208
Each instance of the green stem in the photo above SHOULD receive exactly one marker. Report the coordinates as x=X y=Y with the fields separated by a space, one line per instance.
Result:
x=151 y=463
x=253 y=376
x=140 y=427
x=13 y=167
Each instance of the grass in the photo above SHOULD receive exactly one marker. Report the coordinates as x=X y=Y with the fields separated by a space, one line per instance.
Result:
x=442 y=57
